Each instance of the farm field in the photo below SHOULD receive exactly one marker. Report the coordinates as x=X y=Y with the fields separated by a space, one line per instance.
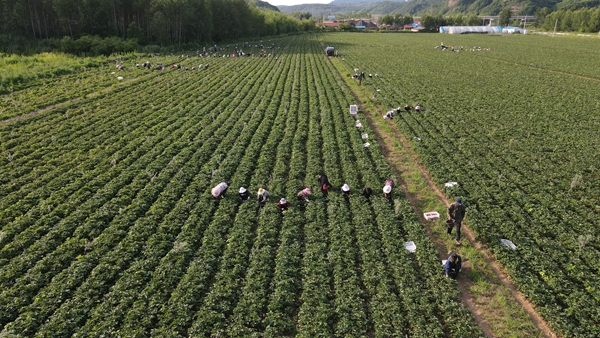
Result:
x=108 y=226
x=516 y=127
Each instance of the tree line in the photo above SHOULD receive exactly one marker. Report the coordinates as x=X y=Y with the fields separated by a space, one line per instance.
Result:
x=163 y=22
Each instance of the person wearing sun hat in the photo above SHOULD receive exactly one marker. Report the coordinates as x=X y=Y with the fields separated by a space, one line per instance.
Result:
x=283 y=204
x=303 y=194
x=456 y=213
x=346 y=190
x=244 y=194
x=387 y=188
x=219 y=190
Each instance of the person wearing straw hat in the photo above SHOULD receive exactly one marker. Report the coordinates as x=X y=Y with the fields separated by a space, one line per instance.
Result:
x=453 y=266
x=262 y=196
x=346 y=191
x=456 y=213
x=387 y=188
x=283 y=204
x=244 y=194
x=219 y=190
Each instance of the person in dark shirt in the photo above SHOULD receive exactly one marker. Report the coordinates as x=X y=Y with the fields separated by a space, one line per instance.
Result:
x=456 y=213
x=367 y=192
x=283 y=204
x=453 y=265
x=324 y=184
x=244 y=194
x=346 y=191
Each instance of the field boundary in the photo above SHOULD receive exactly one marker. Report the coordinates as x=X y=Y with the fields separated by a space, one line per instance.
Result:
x=387 y=142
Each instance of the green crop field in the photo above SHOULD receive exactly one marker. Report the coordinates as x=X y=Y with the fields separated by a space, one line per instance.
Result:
x=516 y=126
x=108 y=227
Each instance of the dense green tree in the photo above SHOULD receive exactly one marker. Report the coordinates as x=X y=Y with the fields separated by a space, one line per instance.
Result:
x=504 y=18
x=149 y=21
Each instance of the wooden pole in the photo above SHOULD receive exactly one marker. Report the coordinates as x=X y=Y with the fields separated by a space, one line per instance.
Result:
x=555 y=24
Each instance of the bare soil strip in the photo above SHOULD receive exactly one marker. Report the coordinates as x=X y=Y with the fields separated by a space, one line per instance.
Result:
x=401 y=160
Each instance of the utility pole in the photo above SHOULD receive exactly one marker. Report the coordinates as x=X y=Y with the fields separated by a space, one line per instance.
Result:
x=555 y=24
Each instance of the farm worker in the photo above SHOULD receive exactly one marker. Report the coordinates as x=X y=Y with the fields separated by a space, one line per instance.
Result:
x=207 y=66
x=367 y=192
x=219 y=190
x=303 y=194
x=244 y=194
x=407 y=107
x=324 y=183
x=387 y=188
x=389 y=115
x=418 y=109
x=201 y=66
x=283 y=204
x=453 y=265
x=346 y=190
x=456 y=213
x=262 y=196
x=361 y=77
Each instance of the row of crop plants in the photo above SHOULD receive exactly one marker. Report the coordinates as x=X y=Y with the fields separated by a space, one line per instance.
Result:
x=177 y=141
x=427 y=300
x=500 y=180
x=135 y=245
x=132 y=322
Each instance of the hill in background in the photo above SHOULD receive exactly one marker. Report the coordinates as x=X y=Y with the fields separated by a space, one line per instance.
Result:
x=418 y=7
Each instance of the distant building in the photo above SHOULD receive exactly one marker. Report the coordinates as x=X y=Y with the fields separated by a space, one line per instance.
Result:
x=333 y=24
x=512 y=30
x=364 y=24
x=471 y=29
x=331 y=17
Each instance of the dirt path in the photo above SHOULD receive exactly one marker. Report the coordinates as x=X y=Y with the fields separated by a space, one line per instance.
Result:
x=396 y=158
x=496 y=268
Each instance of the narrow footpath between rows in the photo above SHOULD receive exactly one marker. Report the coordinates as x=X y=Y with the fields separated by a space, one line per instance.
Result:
x=497 y=306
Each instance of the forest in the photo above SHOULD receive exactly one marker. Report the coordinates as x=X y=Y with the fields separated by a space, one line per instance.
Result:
x=147 y=21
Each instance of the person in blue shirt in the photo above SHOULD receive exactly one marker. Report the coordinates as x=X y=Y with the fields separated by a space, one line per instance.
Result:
x=453 y=265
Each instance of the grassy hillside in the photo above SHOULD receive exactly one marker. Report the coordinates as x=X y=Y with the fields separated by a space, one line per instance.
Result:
x=416 y=7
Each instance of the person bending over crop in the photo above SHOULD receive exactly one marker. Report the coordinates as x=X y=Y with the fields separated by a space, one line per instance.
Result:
x=324 y=184
x=244 y=194
x=407 y=108
x=303 y=194
x=456 y=213
x=283 y=204
x=387 y=188
x=219 y=190
x=453 y=266
x=367 y=192
x=346 y=191
x=262 y=196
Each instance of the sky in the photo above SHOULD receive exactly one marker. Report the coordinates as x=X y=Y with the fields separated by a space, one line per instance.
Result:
x=296 y=2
